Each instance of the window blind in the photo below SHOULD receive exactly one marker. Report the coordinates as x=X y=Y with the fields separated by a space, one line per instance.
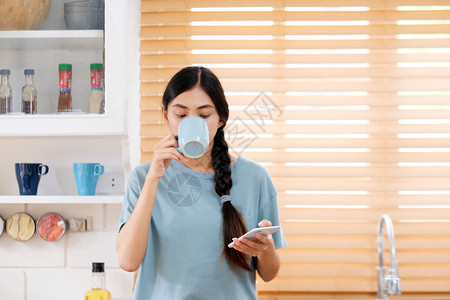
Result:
x=347 y=105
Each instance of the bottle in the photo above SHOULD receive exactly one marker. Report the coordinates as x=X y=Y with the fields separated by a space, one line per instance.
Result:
x=29 y=93
x=97 y=96
x=98 y=291
x=6 y=104
x=65 y=85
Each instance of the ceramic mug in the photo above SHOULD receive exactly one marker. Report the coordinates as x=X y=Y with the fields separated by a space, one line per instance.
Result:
x=86 y=177
x=193 y=137
x=28 y=176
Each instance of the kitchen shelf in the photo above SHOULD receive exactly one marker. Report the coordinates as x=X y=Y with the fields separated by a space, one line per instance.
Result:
x=51 y=39
x=100 y=199
x=51 y=124
x=22 y=49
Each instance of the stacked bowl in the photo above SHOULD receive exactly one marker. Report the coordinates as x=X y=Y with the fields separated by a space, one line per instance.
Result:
x=86 y=14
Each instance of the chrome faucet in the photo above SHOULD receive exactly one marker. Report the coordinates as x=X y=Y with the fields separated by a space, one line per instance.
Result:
x=387 y=284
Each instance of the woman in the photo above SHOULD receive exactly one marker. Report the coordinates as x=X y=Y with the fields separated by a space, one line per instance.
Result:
x=177 y=218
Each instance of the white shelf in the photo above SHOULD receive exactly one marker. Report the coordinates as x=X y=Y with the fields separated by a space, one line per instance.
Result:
x=51 y=39
x=58 y=125
x=109 y=199
x=14 y=46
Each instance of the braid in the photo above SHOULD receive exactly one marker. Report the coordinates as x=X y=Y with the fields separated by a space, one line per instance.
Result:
x=233 y=224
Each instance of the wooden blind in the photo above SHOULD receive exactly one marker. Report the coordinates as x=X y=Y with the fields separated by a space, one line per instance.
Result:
x=347 y=104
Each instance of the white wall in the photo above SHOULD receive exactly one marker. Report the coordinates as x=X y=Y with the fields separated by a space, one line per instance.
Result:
x=38 y=269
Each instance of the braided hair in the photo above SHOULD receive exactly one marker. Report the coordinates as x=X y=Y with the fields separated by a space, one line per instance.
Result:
x=233 y=224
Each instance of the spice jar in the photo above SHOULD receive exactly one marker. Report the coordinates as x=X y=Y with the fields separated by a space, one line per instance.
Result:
x=65 y=87
x=97 y=101
x=6 y=99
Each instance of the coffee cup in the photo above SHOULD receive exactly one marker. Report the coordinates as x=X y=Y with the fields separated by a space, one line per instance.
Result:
x=193 y=137
x=28 y=176
x=86 y=177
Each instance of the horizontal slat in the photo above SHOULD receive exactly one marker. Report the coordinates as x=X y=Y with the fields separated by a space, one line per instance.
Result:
x=373 y=199
x=305 y=284
x=388 y=44
x=316 y=85
x=374 y=17
x=151 y=5
x=361 y=270
x=419 y=242
x=149 y=32
x=373 y=100
x=375 y=113
x=363 y=184
x=376 y=70
x=350 y=214
x=373 y=157
x=433 y=256
x=327 y=227
x=351 y=284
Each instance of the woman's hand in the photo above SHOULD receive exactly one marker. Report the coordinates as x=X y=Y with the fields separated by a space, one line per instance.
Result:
x=163 y=154
x=255 y=248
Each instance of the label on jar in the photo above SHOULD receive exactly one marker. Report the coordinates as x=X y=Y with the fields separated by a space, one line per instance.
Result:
x=65 y=80
x=97 y=79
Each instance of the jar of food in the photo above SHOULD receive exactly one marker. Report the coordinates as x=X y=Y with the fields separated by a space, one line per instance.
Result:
x=51 y=227
x=21 y=227
x=65 y=88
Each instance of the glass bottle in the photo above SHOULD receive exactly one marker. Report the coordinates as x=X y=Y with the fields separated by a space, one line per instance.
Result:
x=98 y=291
x=97 y=96
x=29 y=93
x=6 y=99
x=65 y=86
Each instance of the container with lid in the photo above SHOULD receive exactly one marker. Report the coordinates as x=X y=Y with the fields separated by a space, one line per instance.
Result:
x=51 y=227
x=97 y=101
x=6 y=98
x=20 y=227
x=65 y=88
x=98 y=291
x=2 y=225
x=29 y=93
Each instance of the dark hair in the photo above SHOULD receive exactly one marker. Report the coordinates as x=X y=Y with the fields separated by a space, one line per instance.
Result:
x=233 y=224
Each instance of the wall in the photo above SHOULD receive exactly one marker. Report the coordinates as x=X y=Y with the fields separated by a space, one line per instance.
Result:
x=37 y=269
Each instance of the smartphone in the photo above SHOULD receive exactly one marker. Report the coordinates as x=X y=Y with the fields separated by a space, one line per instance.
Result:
x=251 y=235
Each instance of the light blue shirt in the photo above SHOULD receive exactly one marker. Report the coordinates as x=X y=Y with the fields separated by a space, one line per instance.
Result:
x=184 y=257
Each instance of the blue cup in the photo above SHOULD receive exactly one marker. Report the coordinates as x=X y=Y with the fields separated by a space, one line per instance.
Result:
x=193 y=137
x=28 y=176
x=86 y=177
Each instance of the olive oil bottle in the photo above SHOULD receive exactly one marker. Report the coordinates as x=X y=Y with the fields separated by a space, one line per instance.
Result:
x=98 y=291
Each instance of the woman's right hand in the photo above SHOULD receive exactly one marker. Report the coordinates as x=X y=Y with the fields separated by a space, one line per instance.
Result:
x=163 y=154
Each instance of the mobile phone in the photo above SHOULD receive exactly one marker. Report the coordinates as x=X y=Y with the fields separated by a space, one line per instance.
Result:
x=261 y=230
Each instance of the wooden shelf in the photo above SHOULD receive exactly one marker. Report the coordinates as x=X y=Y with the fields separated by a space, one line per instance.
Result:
x=100 y=199
x=51 y=39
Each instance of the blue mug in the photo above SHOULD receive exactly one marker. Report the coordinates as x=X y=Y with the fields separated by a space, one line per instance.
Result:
x=86 y=177
x=28 y=176
x=193 y=137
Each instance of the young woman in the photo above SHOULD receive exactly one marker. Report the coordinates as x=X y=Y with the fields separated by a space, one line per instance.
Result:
x=180 y=214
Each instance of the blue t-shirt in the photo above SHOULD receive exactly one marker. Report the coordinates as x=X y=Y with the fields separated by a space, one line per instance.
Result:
x=184 y=257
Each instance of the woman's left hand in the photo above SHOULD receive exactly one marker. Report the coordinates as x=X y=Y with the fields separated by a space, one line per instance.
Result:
x=255 y=248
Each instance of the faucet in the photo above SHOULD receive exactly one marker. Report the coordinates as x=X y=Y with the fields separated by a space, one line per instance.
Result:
x=387 y=284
